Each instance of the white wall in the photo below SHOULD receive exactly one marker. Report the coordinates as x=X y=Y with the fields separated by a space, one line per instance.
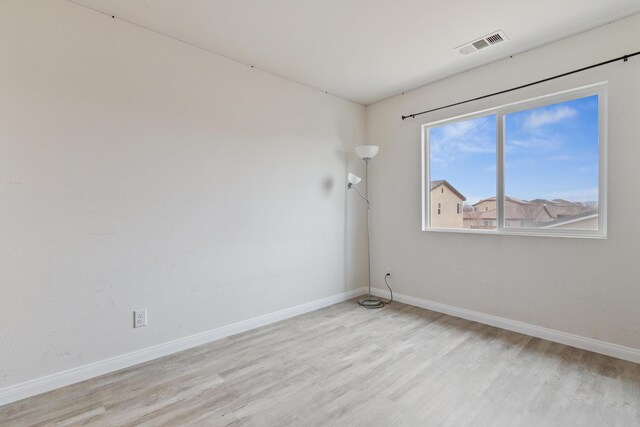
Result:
x=585 y=287
x=140 y=172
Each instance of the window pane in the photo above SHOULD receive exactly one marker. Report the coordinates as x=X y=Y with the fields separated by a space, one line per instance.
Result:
x=551 y=166
x=462 y=166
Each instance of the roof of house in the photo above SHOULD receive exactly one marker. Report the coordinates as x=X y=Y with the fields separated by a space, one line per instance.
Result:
x=437 y=183
x=511 y=199
x=513 y=213
x=560 y=208
x=527 y=212
x=541 y=202
x=569 y=219
x=557 y=209
x=565 y=202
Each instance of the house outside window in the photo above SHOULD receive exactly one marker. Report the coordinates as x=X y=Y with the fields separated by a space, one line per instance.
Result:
x=445 y=202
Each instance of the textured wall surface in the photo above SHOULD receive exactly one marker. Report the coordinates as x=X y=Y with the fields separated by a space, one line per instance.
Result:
x=140 y=172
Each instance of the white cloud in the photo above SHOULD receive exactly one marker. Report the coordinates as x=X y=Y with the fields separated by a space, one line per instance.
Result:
x=559 y=158
x=460 y=129
x=455 y=140
x=534 y=142
x=520 y=143
x=540 y=118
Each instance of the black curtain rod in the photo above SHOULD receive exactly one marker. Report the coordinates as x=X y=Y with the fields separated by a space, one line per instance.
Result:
x=621 y=58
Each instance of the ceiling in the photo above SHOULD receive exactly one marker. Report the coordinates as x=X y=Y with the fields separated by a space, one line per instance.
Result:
x=364 y=50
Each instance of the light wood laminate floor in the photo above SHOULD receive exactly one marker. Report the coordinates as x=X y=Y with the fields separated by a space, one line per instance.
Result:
x=347 y=366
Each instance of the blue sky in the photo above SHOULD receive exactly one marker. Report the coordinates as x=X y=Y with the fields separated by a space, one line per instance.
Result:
x=550 y=152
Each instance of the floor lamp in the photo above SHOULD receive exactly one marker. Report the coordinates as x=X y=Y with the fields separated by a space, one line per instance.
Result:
x=366 y=153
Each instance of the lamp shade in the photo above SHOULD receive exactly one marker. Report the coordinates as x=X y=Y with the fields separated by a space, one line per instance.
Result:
x=353 y=179
x=367 y=151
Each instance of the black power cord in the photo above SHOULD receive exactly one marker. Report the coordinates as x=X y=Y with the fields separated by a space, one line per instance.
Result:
x=390 y=290
x=374 y=302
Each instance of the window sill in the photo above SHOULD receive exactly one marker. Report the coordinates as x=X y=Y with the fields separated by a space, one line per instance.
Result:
x=533 y=233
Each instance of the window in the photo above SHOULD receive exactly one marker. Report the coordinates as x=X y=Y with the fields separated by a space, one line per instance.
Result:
x=533 y=167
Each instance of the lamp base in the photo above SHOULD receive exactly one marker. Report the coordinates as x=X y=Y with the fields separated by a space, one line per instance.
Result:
x=370 y=301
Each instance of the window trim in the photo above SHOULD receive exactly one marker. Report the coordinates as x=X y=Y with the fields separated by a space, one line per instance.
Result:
x=599 y=89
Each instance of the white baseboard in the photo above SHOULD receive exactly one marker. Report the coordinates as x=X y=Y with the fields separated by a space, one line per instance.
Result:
x=590 y=344
x=60 y=379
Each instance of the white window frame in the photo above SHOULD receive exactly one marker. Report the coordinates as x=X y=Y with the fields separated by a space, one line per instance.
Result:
x=599 y=89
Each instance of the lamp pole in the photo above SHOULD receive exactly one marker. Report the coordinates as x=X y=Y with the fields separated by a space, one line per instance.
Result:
x=370 y=301
x=366 y=153
x=366 y=192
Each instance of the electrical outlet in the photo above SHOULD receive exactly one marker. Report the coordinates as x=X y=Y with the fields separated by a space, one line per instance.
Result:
x=139 y=318
x=389 y=271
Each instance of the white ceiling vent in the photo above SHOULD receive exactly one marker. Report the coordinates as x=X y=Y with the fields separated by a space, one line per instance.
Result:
x=486 y=41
